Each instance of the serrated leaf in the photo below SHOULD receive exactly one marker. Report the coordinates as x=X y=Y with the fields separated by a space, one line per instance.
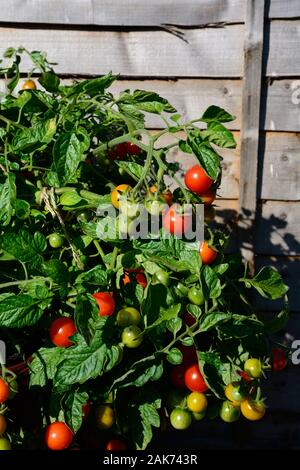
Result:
x=211 y=283
x=215 y=113
x=17 y=311
x=268 y=282
x=24 y=246
x=85 y=312
x=33 y=138
x=73 y=408
x=8 y=193
x=43 y=365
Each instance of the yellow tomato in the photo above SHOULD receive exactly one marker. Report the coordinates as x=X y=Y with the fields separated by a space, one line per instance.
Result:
x=197 y=402
x=104 y=417
x=118 y=192
x=252 y=410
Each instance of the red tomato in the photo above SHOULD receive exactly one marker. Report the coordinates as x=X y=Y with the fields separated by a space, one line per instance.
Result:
x=188 y=319
x=279 y=359
x=4 y=390
x=118 y=152
x=176 y=223
x=197 y=180
x=61 y=330
x=208 y=254
x=133 y=149
x=177 y=376
x=106 y=303
x=189 y=354
x=116 y=444
x=141 y=280
x=86 y=408
x=194 y=380
x=58 y=436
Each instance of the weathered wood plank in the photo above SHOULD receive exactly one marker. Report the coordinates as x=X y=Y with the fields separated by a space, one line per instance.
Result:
x=277 y=229
x=284 y=9
x=122 y=13
x=209 y=52
x=284 y=52
x=192 y=96
x=280 y=166
x=253 y=48
x=289 y=267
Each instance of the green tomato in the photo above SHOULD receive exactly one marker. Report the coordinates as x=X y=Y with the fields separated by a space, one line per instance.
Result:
x=234 y=393
x=130 y=209
x=56 y=240
x=4 y=444
x=180 y=419
x=128 y=316
x=155 y=207
x=229 y=412
x=132 y=337
x=196 y=296
x=181 y=290
x=84 y=216
x=161 y=277
x=253 y=368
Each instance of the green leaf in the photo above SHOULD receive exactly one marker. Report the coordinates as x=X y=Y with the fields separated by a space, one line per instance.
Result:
x=8 y=193
x=148 y=101
x=211 y=283
x=174 y=325
x=212 y=369
x=174 y=356
x=214 y=113
x=211 y=320
x=33 y=138
x=194 y=310
x=133 y=169
x=22 y=209
x=278 y=323
x=83 y=362
x=91 y=87
x=268 y=282
x=50 y=81
x=24 y=246
x=73 y=408
x=57 y=270
x=207 y=157
x=97 y=276
x=17 y=311
x=220 y=135
x=67 y=154
x=86 y=313
x=44 y=364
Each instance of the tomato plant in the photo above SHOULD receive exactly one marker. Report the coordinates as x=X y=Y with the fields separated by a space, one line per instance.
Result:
x=144 y=314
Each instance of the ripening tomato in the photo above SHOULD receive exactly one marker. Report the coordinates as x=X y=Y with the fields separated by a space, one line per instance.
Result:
x=116 y=444
x=104 y=417
x=132 y=337
x=197 y=402
x=4 y=444
x=194 y=380
x=3 y=425
x=209 y=197
x=128 y=316
x=177 y=376
x=58 y=436
x=180 y=419
x=29 y=85
x=166 y=195
x=197 y=180
x=254 y=411
x=175 y=222
x=207 y=254
x=234 y=393
x=4 y=390
x=133 y=149
x=106 y=303
x=279 y=359
x=229 y=413
x=253 y=368
x=120 y=191
x=60 y=331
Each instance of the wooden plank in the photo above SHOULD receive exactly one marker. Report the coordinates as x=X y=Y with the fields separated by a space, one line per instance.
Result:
x=230 y=185
x=277 y=229
x=192 y=96
x=211 y=52
x=289 y=267
x=253 y=47
x=284 y=9
x=122 y=13
x=280 y=166
x=284 y=53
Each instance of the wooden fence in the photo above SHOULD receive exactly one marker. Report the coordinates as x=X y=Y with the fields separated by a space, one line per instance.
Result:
x=243 y=55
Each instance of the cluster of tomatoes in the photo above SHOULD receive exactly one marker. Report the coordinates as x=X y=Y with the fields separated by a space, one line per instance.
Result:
x=8 y=389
